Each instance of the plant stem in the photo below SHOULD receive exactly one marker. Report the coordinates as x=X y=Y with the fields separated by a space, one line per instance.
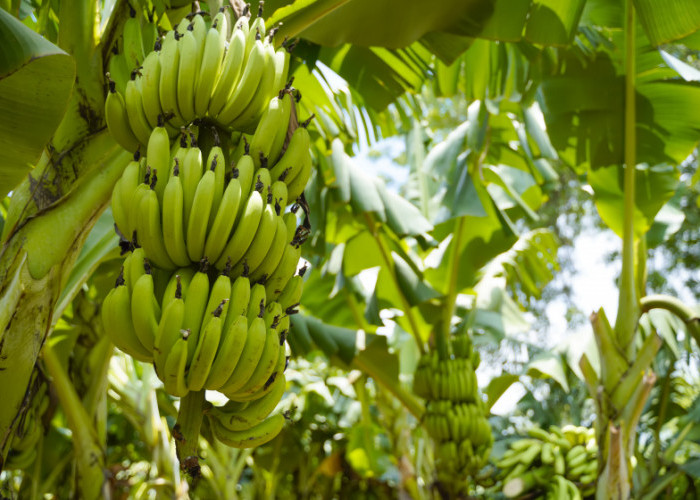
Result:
x=628 y=307
x=186 y=432
x=89 y=455
x=443 y=334
x=386 y=256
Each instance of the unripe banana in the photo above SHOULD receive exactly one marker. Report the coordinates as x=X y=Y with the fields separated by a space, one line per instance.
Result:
x=158 y=157
x=264 y=368
x=191 y=173
x=255 y=412
x=286 y=103
x=231 y=69
x=216 y=162
x=274 y=254
x=145 y=310
x=244 y=171
x=117 y=120
x=247 y=85
x=219 y=298
x=212 y=57
x=170 y=65
x=240 y=300
x=279 y=196
x=173 y=215
x=175 y=366
x=187 y=74
x=245 y=231
x=134 y=110
x=205 y=352
x=252 y=351
x=119 y=70
x=230 y=348
x=261 y=243
x=294 y=158
x=250 y=438
x=266 y=132
x=195 y=306
x=291 y=295
x=223 y=221
x=250 y=116
x=277 y=281
x=168 y=329
x=150 y=85
x=199 y=216
x=257 y=303
x=133 y=41
x=150 y=233
x=297 y=185
x=116 y=319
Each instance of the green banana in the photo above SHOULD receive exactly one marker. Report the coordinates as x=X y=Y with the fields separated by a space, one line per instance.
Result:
x=191 y=173
x=230 y=348
x=244 y=232
x=133 y=41
x=175 y=366
x=169 y=328
x=195 y=305
x=277 y=281
x=216 y=162
x=149 y=230
x=240 y=298
x=219 y=298
x=257 y=303
x=205 y=353
x=199 y=216
x=214 y=46
x=169 y=69
x=231 y=69
x=262 y=240
x=134 y=110
x=250 y=438
x=223 y=221
x=264 y=368
x=255 y=412
x=150 y=83
x=187 y=74
x=117 y=119
x=294 y=158
x=248 y=361
x=158 y=157
x=247 y=85
x=145 y=310
x=173 y=230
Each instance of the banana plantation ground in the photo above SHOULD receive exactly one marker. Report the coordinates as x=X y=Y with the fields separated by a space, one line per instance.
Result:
x=349 y=249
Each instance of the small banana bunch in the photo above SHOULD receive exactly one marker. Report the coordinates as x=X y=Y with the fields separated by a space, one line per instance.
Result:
x=197 y=71
x=561 y=463
x=455 y=415
x=23 y=448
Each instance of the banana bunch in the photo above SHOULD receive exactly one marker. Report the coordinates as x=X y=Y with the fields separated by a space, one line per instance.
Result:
x=455 y=415
x=197 y=71
x=23 y=447
x=561 y=463
x=181 y=209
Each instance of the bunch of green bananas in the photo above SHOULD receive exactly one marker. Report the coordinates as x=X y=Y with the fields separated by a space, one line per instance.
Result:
x=181 y=209
x=455 y=415
x=560 y=464
x=23 y=447
x=196 y=71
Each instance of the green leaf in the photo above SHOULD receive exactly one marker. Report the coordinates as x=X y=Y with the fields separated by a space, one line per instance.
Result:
x=497 y=386
x=412 y=285
x=36 y=79
x=654 y=186
x=669 y=20
x=553 y=22
x=549 y=365
x=402 y=216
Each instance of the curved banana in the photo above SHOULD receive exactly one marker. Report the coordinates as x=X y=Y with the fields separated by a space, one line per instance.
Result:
x=247 y=120
x=245 y=231
x=133 y=41
x=250 y=438
x=173 y=214
x=294 y=158
x=291 y=295
x=175 y=366
x=145 y=311
x=271 y=122
x=257 y=302
x=272 y=258
x=219 y=298
x=262 y=240
x=230 y=71
x=216 y=161
x=223 y=221
x=158 y=157
x=150 y=87
x=119 y=70
x=214 y=45
x=117 y=119
x=277 y=281
x=244 y=171
x=247 y=85
x=116 y=319
x=263 y=184
x=199 y=216
x=134 y=266
x=279 y=196
x=168 y=331
x=240 y=298
x=255 y=412
x=195 y=304
x=150 y=233
x=297 y=185
x=179 y=280
x=191 y=173
x=187 y=74
x=169 y=69
x=252 y=352
x=230 y=348
x=285 y=100
x=204 y=354
x=134 y=110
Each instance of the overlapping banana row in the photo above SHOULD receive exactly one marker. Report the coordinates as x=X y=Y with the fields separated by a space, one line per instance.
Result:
x=182 y=209
x=23 y=447
x=197 y=71
x=455 y=415
x=559 y=464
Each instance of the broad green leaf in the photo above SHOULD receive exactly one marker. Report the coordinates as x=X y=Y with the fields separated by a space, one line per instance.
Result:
x=553 y=22
x=497 y=386
x=361 y=252
x=669 y=20
x=412 y=285
x=36 y=79
x=654 y=187
x=402 y=216
x=549 y=365
x=667 y=222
